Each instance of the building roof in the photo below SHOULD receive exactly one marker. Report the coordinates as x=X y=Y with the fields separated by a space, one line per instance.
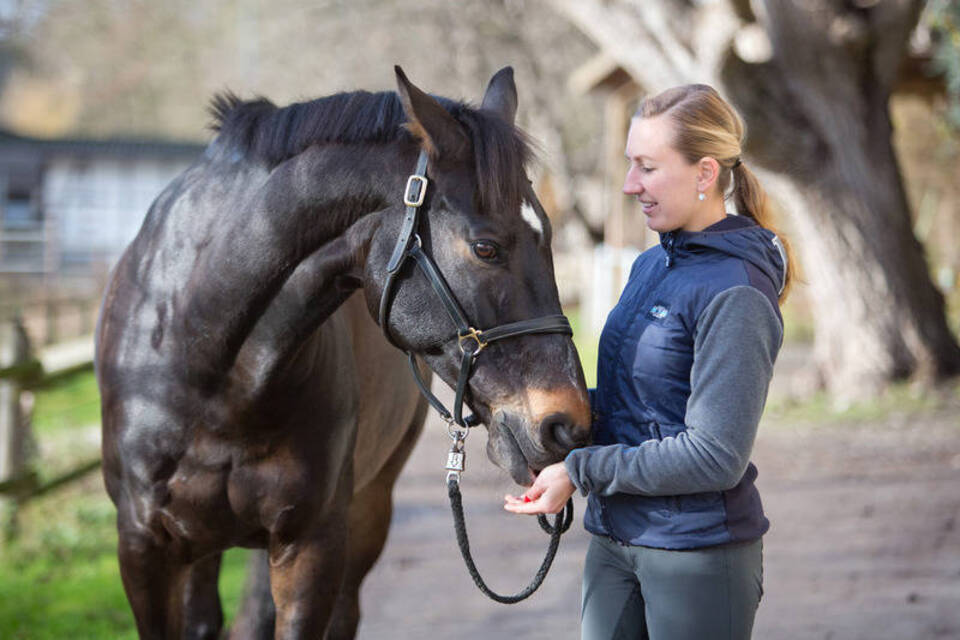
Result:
x=601 y=73
x=25 y=147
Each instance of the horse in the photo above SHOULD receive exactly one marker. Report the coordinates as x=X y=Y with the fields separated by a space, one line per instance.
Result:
x=246 y=397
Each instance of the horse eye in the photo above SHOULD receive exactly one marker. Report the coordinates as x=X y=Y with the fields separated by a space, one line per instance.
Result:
x=485 y=250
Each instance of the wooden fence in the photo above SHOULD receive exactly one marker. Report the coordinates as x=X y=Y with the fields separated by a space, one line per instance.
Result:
x=50 y=319
x=21 y=372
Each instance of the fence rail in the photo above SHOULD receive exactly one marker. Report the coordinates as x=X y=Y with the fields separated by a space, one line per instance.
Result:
x=21 y=372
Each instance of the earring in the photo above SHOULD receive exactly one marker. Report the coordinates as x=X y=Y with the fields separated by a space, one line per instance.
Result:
x=701 y=196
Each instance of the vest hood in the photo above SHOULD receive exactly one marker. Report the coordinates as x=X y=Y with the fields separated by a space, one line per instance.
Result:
x=737 y=236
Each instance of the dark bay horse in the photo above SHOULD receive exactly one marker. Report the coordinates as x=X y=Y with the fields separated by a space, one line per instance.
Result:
x=247 y=396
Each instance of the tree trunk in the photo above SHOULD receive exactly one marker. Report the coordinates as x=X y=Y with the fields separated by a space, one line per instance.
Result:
x=817 y=113
x=878 y=316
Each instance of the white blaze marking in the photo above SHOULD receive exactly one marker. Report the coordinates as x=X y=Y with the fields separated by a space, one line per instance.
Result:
x=531 y=218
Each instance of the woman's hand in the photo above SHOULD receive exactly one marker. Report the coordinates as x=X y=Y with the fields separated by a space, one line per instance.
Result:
x=549 y=493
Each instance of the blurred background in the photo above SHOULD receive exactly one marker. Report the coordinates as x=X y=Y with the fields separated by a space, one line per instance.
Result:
x=853 y=116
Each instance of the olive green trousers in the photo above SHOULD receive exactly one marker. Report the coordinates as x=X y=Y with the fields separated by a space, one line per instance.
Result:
x=642 y=593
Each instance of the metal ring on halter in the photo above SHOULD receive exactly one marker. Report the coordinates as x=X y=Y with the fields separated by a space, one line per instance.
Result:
x=476 y=336
x=456 y=432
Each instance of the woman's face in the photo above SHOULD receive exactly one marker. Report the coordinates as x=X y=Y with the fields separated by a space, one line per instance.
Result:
x=662 y=179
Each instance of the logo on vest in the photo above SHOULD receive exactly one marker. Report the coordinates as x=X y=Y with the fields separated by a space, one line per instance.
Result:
x=658 y=311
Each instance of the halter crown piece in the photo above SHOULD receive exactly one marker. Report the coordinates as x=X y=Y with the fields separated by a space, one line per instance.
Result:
x=471 y=342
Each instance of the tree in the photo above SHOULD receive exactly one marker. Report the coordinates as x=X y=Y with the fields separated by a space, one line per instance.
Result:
x=813 y=80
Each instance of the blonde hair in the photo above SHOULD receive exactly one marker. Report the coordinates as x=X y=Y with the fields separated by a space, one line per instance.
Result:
x=705 y=125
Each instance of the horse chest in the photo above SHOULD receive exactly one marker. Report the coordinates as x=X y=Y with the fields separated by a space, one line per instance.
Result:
x=222 y=493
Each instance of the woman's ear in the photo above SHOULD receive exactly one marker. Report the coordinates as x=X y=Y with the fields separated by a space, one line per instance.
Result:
x=708 y=170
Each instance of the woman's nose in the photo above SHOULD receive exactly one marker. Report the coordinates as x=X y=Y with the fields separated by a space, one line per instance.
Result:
x=632 y=185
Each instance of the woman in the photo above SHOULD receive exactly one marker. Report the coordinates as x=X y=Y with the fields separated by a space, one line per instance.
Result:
x=684 y=365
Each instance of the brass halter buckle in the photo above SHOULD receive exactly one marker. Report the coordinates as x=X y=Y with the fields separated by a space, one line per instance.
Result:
x=415 y=191
x=476 y=336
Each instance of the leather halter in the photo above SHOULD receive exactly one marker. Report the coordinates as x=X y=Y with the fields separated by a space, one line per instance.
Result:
x=471 y=340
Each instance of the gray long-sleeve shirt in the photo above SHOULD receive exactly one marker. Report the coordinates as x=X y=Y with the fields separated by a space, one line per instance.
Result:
x=736 y=340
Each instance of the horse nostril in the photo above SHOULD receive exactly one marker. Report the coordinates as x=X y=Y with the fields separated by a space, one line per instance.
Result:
x=558 y=429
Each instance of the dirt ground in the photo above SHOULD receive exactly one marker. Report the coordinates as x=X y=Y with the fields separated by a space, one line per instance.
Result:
x=864 y=540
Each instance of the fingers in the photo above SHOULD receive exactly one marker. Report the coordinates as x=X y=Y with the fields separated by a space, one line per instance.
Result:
x=530 y=495
x=549 y=493
x=546 y=502
x=533 y=508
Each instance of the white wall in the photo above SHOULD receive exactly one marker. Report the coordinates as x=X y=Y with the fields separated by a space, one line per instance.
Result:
x=96 y=206
x=609 y=270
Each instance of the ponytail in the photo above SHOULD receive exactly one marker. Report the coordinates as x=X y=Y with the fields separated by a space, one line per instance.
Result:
x=751 y=200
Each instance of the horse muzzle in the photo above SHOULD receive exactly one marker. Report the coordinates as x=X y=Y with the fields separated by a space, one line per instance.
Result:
x=523 y=447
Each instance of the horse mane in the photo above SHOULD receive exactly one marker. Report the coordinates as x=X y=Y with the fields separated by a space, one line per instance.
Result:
x=270 y=134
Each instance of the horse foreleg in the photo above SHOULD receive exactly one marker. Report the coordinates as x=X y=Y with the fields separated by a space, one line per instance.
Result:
x=305 y=578
x=369 y=520
x=152 y=578
x=369 y=523
x=200 y=600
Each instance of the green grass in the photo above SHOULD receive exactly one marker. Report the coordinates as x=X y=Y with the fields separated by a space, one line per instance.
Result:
x=67 y=403
x=587 y=345
x=48 y=600
x=60 y=578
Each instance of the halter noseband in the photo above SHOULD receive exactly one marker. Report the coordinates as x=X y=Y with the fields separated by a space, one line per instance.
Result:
x=471 y=340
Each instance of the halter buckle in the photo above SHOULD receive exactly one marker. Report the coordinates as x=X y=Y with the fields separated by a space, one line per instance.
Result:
x=476 y=336
x=415 y=191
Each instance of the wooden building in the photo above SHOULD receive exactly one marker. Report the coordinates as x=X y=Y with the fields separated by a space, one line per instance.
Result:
x=69 y=206
x=625 y=233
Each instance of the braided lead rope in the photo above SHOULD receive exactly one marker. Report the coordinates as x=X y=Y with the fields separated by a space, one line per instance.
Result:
x=560 y=525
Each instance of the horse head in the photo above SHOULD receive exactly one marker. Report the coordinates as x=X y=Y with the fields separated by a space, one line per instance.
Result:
x=489 y=237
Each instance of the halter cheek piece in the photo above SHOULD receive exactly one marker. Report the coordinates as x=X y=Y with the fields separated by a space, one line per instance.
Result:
x=471 y=340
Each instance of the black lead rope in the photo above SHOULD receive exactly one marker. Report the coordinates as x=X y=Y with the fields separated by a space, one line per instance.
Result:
x=561 y=523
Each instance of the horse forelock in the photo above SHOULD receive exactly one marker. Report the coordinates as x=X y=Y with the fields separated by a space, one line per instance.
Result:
x=501 y=152
x=263 y=132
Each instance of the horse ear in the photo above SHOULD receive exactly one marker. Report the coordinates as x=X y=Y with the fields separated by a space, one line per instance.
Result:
x=439 y=133
x=501 y=95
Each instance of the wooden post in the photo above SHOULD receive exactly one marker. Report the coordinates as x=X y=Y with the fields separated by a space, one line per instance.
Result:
x=86 y=317
x=14 y=351
x=51 y=315
x=615 y=113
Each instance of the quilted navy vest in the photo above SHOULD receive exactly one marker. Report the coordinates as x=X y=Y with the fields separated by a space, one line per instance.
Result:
x=643 y=378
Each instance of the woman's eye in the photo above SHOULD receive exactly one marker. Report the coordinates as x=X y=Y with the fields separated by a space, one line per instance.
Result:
x=485 y=250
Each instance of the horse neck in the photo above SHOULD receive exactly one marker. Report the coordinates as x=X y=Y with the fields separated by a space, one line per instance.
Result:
x=274 y=275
